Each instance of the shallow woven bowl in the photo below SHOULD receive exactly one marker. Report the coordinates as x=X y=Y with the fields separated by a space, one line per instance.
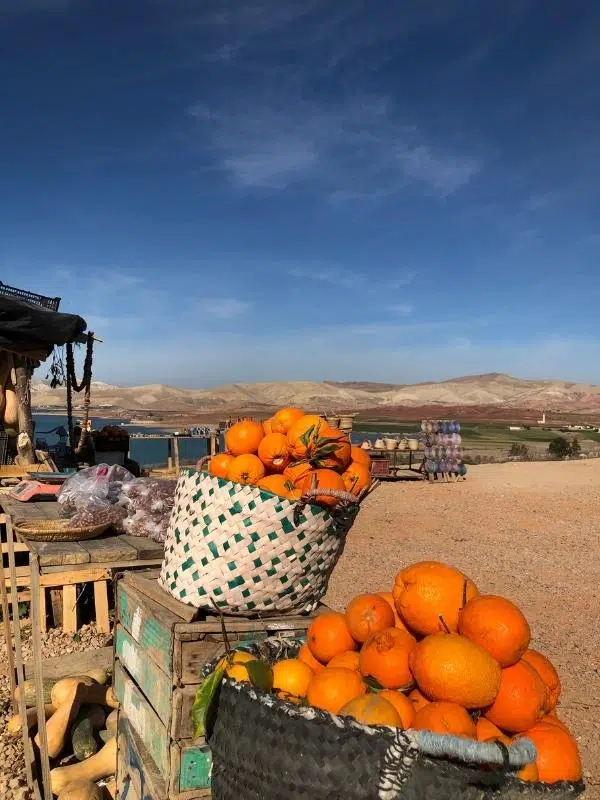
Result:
x=56 y=530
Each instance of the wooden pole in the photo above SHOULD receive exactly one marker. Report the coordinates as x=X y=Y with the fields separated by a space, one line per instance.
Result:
x=23 y=373
x=176 y=454
x=169 y=454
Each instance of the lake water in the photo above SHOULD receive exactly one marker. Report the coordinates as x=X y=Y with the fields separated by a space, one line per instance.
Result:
x=147 y=452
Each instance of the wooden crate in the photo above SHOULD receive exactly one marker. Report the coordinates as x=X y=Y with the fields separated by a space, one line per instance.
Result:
x=158 y=659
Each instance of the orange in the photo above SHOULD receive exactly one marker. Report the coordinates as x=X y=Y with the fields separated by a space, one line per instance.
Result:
x=332 y=688
x=356 y=478
x=267 y=426
x=292 y=676
x=349 y=659
x=429 y=596
x=360 y=456
x=389 y=598
x=273 y=452
x=451 y=667
x=219 y=464
x=557 y=753
x=384 y=656
x=549 y=719
x=322 y=479
x=297 y=472
x=372 y=709
x=442 y=717
x=244 y=437
x=529 y=773
x=366 y=614
x=333 y=450
x=305 y=655
x=520 y=700
x=418 y=699
x=246 y=469
x=486 y=730
x=403 y=706
x=304 y=435
x=545 y=669
x=278 y=484
x=498 y=626
x=283 y=420
x=328 y=635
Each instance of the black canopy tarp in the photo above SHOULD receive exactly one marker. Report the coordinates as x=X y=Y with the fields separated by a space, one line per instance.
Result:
x=32 y=331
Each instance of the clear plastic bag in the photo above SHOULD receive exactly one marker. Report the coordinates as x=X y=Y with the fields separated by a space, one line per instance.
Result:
x=149 y=506
x=94 y=488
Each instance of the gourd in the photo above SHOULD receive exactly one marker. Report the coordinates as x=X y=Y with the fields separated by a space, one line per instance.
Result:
x=14 y=726
x=111 y=722
x=99 y=674
x=81 y=790
x=11 y=407
x=88 y=720
x=111 y=788
x=101 y=765
x=91 y=692
x=57 y=725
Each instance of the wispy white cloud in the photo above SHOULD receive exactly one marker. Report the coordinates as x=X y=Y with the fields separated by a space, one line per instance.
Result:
x=350 y=279
x=357 y=148
x=222 y=307
x=403 y=309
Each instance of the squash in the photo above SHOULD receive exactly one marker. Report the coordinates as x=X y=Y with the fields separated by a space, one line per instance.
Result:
x=14 y=727
x=28 y=690
x=11 y=407
x=101 y=765
x=81 y=790
x=91 y=692
x=88 y=720
x=57 y=725
x=111 y=722
x=98 y=674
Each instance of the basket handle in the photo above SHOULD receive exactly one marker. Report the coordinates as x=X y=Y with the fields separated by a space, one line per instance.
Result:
x=202 y=461
x=340 y=494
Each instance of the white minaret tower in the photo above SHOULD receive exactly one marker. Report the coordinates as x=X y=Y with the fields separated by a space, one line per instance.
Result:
x=542 y=421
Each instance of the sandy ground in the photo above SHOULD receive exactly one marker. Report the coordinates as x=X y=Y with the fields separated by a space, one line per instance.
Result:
x=527 y=531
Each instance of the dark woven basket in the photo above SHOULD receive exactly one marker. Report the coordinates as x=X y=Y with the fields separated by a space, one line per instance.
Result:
x=267 y=749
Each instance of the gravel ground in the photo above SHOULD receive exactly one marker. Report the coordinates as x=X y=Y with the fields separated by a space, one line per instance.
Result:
x=13 y=783
x=527 y=531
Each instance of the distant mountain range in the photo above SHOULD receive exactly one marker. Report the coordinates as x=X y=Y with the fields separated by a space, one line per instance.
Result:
x=493 y=391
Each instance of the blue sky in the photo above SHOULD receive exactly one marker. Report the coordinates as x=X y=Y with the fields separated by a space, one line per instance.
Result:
x=271 y=189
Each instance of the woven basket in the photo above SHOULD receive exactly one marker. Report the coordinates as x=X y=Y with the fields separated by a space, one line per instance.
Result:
x=56 y=530
x=267 y=749
x=247 y=551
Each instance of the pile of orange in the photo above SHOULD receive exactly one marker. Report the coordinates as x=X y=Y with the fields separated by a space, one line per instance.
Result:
x=291 y=453
x=437 y=655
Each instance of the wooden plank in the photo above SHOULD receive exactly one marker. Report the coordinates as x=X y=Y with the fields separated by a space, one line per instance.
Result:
x=108 y=565
x=56 y=602
x=20 y=672
x=191 y=769
x=53 y=554
x=10 y=663
x=43 y=610
x=109 y=548
x=150 y=624
x=143 y=718
x=154 y=683
x=61 y=578
x=146 y=582
x=101 y=606
x=137 y=776
x=74 y=663
x=19 y=547
x=181 y=722
x=146 y=548
x=36 y=647
x=70 y=608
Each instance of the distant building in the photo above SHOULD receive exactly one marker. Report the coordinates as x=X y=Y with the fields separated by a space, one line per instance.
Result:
x=515 y=428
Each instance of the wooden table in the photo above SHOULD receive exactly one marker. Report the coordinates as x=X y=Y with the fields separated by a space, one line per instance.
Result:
x=63 y=565
x=57 y=565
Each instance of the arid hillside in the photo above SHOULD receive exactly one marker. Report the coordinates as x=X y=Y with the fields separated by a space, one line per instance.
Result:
x=494 y=391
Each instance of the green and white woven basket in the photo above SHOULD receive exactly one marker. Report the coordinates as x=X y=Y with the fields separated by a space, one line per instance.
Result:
x=248 y=551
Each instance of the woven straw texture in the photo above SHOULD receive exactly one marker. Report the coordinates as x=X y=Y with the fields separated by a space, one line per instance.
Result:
x=247 y=551
x=266 y=749
x=56 y=530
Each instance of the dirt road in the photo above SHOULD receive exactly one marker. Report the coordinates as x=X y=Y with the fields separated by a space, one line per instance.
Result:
x=528 y=531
